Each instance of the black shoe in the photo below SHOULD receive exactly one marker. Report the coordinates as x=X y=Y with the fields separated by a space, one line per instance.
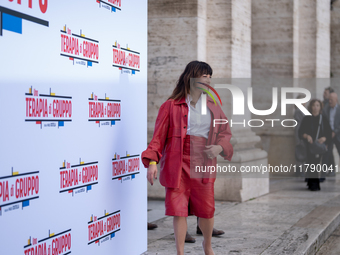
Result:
x=215 y=232
x=189 y=238
x=152 y=226
x=314 y=187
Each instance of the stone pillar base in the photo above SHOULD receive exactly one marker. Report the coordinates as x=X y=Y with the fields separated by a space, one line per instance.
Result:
x=240 y=187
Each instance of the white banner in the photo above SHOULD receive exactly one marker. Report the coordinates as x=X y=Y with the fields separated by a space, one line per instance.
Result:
x=73 y=126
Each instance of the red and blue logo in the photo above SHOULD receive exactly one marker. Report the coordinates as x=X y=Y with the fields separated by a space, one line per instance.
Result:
x=11 y=20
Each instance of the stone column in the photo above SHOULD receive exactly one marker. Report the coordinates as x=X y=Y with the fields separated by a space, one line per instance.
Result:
x=176 y=36
x=290 y=39
x=229 y=53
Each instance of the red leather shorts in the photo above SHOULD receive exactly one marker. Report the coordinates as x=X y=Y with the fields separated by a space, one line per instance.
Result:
x=193 y=197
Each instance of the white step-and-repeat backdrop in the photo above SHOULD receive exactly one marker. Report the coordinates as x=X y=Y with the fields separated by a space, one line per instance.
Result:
x=73 y=76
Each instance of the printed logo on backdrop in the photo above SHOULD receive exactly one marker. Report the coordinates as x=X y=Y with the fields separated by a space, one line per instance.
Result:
x=12 y=20
x=78 y=178
x=59 y=243
x=125 y=59
x=125 y=168
x=104 y=111
x=17 y=190
x=79 y=49
x=104 y=228
x=48 y=110
x=111 y=5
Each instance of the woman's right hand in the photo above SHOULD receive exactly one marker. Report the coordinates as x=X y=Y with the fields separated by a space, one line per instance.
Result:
x=152 y=173
x=322 y=139
x=308 y=138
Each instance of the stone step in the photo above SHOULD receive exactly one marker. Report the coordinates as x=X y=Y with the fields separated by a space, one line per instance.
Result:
x=332 y=245
x=310 y=232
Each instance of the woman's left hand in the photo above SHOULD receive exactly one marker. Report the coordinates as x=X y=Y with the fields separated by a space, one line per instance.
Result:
x=322 y=139
x=213 y=150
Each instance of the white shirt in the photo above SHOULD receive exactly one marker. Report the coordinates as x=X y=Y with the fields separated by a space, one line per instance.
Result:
x=198 y=124
x=332 y=116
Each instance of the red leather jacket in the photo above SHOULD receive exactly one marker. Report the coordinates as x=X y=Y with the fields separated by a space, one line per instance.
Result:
x=167 y=142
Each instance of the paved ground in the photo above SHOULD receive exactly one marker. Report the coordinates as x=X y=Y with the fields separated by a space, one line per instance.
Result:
x=289 y=220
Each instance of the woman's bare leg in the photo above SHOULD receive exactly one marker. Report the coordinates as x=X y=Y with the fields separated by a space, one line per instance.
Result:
x=207 y=225
x=180 y=229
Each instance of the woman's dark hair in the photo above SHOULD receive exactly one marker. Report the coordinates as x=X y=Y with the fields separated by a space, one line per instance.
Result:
x=312 y=102
x=194 y=69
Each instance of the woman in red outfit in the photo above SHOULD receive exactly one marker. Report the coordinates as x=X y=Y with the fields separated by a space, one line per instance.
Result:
x=184 y=141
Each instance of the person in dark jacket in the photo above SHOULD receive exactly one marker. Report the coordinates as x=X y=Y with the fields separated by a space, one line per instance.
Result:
x=326 y=94
x=308 y=131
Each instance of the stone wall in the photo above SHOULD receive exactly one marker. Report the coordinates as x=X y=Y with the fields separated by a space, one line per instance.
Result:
x=290 y=39
x=176 y=36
